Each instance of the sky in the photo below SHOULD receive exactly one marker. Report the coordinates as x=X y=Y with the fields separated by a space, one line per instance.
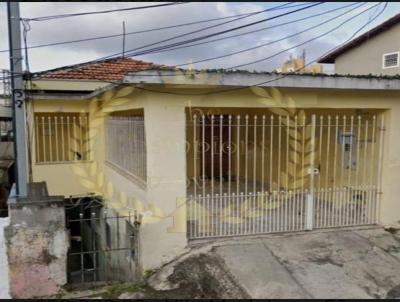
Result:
x=80 y=27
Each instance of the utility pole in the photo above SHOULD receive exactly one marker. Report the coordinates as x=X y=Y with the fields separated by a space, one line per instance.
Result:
x=18 y=98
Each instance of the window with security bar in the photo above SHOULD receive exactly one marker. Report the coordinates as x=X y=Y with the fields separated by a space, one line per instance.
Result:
x=126 y=146
x=391 y=60
x=61 y=137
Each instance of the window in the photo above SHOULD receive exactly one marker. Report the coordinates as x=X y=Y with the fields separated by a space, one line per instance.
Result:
x=126 y=146
x=61 y=137
x=391 y=60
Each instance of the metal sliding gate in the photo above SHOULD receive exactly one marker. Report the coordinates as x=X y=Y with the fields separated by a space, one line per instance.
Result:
x=266 y=174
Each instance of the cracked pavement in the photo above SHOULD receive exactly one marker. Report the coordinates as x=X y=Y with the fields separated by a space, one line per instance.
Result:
x=334 y=264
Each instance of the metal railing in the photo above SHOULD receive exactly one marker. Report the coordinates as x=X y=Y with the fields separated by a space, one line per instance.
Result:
x=285 y=211
x=61 y=137
x=126 y=146
x=283 y=173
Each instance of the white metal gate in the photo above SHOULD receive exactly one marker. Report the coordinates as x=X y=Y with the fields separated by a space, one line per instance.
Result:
x=252 y=175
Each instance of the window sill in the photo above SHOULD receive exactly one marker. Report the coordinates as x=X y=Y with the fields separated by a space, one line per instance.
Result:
x=63 y=162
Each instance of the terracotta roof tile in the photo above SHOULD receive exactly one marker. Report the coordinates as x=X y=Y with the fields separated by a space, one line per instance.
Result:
x=107 y=70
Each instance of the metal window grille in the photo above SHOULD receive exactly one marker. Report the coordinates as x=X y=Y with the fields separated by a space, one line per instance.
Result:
x=265 y=174
x=391 y=60
x=61 y=137
x=126 y=146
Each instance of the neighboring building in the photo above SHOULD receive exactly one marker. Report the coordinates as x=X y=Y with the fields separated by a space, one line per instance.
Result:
x=376 y=52
x=299 y=65
x=200 y=155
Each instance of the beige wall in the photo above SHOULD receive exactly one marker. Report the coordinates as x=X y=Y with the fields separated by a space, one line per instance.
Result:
x=367 y=57
x=163 y=236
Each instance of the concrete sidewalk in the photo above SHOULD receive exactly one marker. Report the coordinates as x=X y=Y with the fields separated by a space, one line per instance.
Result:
x=324 y=265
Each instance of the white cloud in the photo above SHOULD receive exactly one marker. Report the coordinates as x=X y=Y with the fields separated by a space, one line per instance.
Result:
x=105 y=24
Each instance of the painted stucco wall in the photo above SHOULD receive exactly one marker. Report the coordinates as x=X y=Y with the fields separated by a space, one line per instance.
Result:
x=367 y=57
x=162 y=233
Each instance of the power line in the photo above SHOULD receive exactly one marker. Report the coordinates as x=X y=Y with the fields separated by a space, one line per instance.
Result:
x=188 y=33
x=203 y=37
x=46 y=18
x=152 y=29
x=256 y=30
x=269 y=81
x=273 y=42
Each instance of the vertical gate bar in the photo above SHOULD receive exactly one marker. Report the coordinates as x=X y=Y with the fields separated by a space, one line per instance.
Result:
x=246 y=166
x=271 y=151
x=274 y=209
x=80 y=137
x=335 y=140
x=318 y=207
x=190 y=214
x=328 y=141
x=225 y=214
x=320 y=146
x=342 y=191
x=75 y=137
x=215 y=199
x=358 y=206
x=248 y=198
x=255 y=155
x=241 y=213
x=94 y=248
x=310 y=200
x=208 y=214
x=43 y=139
x=37 y=139
x=198 y=217
x=259 y=212
x=87 y=137
x=287 y=199
x=303 y=151
x=365 y=169
x=350 y=164
x=203 y=155
x=351 y=150
x=263 y=154
x=235 y=199
x=295 y=154
x=267 y=217
x=194 y=155
x=56 y=136
x=220 y=153
x=229 y=154
x=50 y=139
x=279 y=152
x=81 y=245
x=371 y=182
x=238 y=156
x=69 y=138
x=379 y=180
x=290 y=211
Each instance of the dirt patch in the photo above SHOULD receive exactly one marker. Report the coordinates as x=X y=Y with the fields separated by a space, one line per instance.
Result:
x=394 y=293
x=201 y=276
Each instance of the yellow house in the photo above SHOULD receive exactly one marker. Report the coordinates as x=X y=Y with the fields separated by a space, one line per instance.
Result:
x=204 y=154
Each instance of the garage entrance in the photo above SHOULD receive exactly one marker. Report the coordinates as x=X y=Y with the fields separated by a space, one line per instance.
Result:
x=274 y=173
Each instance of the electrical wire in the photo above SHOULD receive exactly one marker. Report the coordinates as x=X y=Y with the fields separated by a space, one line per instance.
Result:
x=265 y=82
x=151 y=29
x=214 y=34
x=275 y=41
x=257 y=30
x=272 y=42
x=211 y=35
x=46 y=18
